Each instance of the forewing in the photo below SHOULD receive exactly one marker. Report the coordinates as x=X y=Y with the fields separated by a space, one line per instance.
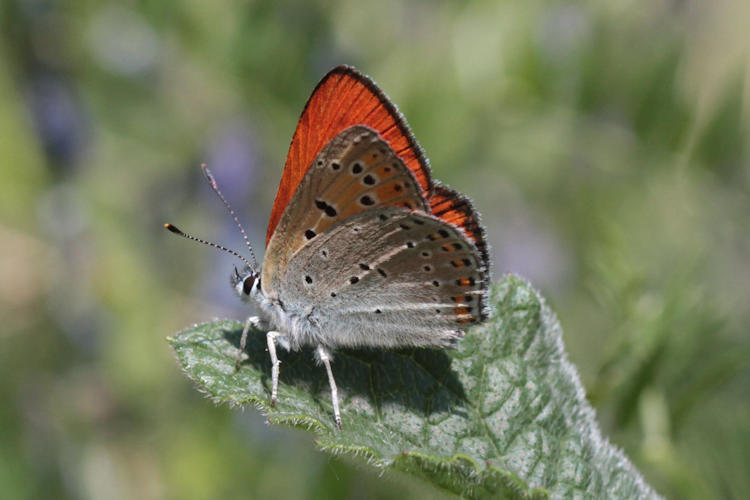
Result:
x=343 y=98
x=356 y=171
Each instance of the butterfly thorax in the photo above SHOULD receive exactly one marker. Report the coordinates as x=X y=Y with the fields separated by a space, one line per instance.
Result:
x=296 y=327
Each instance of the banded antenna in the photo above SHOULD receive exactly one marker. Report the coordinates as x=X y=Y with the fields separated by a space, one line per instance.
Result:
x=210 y=178
x=179 y=232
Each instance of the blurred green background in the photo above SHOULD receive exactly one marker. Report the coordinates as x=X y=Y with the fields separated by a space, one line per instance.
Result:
x=605 y=143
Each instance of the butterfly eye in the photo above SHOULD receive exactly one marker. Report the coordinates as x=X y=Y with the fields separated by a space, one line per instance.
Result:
x=247 y=285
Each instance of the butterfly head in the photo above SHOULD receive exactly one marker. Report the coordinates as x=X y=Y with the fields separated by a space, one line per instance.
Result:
x=246 y=283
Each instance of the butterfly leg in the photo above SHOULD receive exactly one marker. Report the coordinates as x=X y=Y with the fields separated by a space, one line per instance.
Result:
x=254 y=321
x=325 y=357
x=271 y=339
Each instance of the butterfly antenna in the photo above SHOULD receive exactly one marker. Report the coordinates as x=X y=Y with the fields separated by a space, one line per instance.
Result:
x=185 y=235
x=210 y=178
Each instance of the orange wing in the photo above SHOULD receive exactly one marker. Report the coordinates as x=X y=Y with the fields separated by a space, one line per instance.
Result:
x=345 y=97
x=456 y=209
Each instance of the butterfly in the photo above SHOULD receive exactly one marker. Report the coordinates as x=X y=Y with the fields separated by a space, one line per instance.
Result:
x=364 y=248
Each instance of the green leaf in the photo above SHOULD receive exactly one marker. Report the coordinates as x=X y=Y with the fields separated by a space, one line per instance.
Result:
x=504 y=415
